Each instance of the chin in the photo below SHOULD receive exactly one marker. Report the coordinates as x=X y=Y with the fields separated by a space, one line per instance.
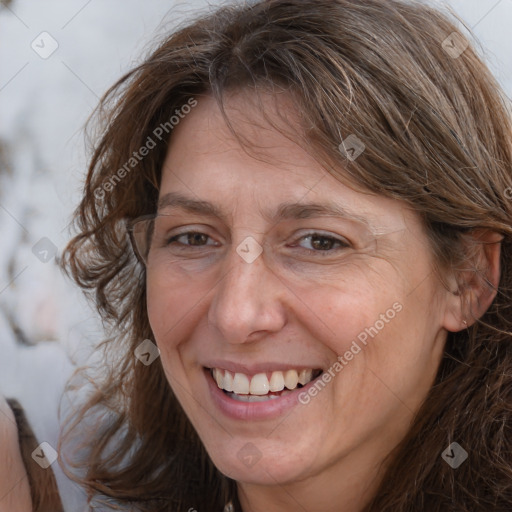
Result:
x=242 y=460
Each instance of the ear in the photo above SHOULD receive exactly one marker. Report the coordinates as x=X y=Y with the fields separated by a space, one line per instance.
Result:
x=476 y=284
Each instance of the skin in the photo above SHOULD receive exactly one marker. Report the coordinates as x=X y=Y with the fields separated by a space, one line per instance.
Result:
x=14 y=487
x=294 y=306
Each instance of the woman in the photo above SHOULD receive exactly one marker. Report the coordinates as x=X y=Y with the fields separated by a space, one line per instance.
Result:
x=317 y=313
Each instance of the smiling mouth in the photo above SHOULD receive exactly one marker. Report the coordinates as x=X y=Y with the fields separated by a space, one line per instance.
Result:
x=262 y=386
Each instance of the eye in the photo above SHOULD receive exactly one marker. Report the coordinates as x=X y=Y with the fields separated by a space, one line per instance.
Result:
x=323 y=243
x=190 y=239
x=318 y=242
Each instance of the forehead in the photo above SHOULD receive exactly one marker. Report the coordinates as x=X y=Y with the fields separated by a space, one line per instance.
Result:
x=266 y=126
x=206 y=163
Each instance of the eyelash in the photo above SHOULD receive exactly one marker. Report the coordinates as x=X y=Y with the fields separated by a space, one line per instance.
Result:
x=340 y=242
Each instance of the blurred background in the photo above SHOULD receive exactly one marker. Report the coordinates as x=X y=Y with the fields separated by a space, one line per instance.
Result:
x=57 y=58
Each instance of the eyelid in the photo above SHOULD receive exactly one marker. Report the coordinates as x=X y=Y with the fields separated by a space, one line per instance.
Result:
x=326 y=234
x=188 y=228
x=171 y=236
x=342 y=241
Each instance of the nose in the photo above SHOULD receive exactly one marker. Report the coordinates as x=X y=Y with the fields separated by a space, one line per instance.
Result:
x=248 y=302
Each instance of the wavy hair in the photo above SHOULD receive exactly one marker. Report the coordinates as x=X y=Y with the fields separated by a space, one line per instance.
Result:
x=437 y=130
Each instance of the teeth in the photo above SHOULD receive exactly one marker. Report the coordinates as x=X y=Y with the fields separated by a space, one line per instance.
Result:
x=228 y=381
x=241 y=384
x=259 y=385
x=291 y=379
x=217 y=375
x=277 y=381
x=253 y=398
x=305 y=376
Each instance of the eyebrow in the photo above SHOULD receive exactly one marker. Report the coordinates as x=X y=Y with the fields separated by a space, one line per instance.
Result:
x=283 y=212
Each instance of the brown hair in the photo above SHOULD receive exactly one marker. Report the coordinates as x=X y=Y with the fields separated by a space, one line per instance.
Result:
x=438 y=137
x=44 y=493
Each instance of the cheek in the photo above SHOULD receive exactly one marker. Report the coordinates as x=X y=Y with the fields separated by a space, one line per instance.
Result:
x=338 y=314
x=166 y=308
x=157 y=303
x=175 y=311
x=377 y=331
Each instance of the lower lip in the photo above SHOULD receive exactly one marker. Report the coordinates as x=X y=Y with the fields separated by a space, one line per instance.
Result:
x=267 y=410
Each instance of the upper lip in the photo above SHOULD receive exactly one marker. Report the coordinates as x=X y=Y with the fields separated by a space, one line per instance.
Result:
x=255 y=368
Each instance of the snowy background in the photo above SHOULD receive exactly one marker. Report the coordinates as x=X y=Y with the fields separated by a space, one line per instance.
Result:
x=45 y=325
x=44 y=102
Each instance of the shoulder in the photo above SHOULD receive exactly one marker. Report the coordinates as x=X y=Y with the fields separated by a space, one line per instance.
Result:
x=14 y=486
x=36 y=416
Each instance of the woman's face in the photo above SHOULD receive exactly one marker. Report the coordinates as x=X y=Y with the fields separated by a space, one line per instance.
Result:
x=289 y=273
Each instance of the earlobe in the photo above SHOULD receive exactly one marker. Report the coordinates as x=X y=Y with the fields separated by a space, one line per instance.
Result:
x=477 y=284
